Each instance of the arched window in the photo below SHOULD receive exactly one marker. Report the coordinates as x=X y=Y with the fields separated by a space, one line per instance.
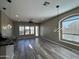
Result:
x=69 y=29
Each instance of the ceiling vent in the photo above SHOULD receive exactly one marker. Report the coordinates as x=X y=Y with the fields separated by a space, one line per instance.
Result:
x=46 y=3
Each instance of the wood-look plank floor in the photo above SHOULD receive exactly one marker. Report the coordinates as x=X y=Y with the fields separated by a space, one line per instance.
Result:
x=33 y=49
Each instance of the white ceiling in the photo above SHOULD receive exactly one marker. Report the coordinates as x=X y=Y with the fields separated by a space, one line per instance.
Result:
x=34 y=9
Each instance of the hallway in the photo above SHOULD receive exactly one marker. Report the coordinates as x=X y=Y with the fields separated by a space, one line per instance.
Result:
x=41 y=49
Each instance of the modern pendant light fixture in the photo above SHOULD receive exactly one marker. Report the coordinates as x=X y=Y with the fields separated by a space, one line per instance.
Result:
x=57 y=7
x=57 y=12
x=30 y=21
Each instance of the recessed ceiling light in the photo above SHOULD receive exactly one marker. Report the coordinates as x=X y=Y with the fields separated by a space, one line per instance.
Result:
x=4 y=8
x=17 y=15
x=57 y=6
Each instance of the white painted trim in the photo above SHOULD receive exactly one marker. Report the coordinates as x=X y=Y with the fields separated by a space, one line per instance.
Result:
x=69 y=16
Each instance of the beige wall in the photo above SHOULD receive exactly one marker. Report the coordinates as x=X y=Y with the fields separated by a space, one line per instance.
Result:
x=47 y=28
x=5 y=20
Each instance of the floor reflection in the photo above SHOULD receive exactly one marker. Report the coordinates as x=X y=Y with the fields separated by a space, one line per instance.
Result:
x=41 y=49
x=26 y=49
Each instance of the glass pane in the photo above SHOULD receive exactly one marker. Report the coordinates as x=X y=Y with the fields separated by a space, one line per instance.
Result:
x=70 y=29
x=26 y=30
x=36 y=31
x=32 y=30
x=21 y=30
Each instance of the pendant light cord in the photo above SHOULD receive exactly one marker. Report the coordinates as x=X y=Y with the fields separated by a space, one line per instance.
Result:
x=57 y=7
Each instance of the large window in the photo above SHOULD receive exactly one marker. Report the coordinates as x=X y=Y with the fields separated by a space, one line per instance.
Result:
x=32 y=30
x=37 y=31
x=69 y=29
x=21 y=30
x=29 y=30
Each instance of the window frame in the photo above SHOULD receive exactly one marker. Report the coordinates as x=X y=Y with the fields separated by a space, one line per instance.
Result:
x=20 y=30
x=30 y=30
x=60 y=30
